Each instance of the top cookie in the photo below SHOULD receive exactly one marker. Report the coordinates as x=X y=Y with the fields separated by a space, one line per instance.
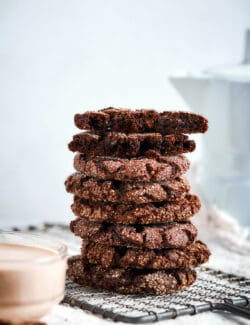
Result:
x=140 y=121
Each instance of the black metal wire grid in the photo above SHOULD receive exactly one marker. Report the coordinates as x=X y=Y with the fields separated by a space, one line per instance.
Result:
x=213 y=290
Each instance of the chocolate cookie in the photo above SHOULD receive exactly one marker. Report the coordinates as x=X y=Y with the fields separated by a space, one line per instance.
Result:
x=148 y=213
x=136 y=169
x=129 y=145
x=126 y=192
x=107 y=256
x=152 y=237
x=129 y=281
x=133 y=121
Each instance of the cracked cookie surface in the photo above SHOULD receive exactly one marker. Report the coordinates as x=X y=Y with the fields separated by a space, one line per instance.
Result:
x=147 y=213
x=108 y=256
x=135 y=169
x=171 y=235
x=129 y=281
x=130 y=145
x=126 y=192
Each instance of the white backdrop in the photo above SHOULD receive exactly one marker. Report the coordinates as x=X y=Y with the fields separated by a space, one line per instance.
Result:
x=59 y=57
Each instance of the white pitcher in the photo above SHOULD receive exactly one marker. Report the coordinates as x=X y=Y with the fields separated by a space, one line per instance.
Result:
x=223 y=96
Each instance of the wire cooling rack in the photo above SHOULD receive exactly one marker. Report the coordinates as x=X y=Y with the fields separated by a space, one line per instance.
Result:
x=213 y=290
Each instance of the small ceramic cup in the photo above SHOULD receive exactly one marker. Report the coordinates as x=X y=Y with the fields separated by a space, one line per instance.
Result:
x=32 y=275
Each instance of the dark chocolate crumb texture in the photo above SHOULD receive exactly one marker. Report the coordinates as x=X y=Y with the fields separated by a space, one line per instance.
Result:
x=130 y=145
x=148 y=213
x=135 y=169
x=133 y=121
x=123 y=257
x=126 y=192
x=129 y=281
x=152 y=236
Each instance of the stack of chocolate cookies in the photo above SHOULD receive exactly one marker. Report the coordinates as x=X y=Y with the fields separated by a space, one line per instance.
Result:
x=132 y=202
